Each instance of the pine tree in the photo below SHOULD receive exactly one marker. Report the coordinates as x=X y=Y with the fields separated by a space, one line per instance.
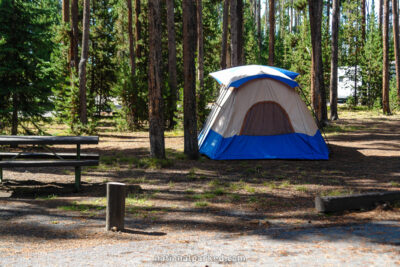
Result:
x=26 y=76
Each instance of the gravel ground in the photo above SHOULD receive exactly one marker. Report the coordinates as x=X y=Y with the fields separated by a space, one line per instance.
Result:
x=369 y=244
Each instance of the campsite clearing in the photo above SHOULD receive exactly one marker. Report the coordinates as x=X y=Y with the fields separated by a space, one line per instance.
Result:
x=41 y=212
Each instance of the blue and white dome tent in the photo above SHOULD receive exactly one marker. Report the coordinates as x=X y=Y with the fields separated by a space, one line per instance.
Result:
x=259 y=115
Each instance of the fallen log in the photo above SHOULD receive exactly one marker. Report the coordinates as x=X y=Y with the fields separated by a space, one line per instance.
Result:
x=355 y=202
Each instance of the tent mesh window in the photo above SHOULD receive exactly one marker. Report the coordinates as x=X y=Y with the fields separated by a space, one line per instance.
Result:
x=266 y=118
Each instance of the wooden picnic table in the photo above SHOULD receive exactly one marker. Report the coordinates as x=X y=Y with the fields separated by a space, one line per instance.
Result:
x=61 y=159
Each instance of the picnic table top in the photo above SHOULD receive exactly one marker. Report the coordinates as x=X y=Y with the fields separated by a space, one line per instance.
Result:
x=47 y=140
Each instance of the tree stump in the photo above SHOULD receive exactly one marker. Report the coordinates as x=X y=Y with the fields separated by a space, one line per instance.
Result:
x=115 y=214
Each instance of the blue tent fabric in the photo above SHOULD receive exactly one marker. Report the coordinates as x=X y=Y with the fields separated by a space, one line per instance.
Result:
x=289 y=82
x=258 y=71
x=285 y=146
x=290 y=74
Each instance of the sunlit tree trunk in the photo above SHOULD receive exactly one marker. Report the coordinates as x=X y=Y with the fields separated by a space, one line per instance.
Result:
x=156 y=123
x=385 y=38
x=317 y=80
x=200 y=62
x=131 y=95
x=189 y=92
x=172 y=80
x=75 y=34
x=334 y=59
x=271 y=47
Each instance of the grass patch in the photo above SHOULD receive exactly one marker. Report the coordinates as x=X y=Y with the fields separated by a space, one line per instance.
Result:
x=139 y=180
x=138 y=200
x=201 y=204
x=301 y=188
x=337 y=192
x=48 y=197
x=249 y=189
x=394 y=184
x=81 y=207
x=285 y=184
x=271 y=185
x=152 y=163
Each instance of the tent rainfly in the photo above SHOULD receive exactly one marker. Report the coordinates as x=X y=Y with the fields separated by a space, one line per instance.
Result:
x=259 y=115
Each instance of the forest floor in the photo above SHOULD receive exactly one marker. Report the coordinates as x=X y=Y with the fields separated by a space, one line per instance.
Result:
x=204 y=198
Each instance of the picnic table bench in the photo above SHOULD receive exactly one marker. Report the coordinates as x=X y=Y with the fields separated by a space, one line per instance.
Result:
x=52 y=159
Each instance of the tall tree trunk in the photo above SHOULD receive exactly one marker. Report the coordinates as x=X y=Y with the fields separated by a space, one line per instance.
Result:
x=380 y=19
x=200 y=61
x=189 y=92
x=236 y=10
x=75 y=34
x=271 y=47
x=396 y=45
x=65 y=11
x=83 y=61
x=234 y=33
x=385 y=38
x=131 y=95
x=334 y=59
x=225 y=20
x=172 y=80
x=317 y=79
x=131 y=41
x=138 y=29
x=14 y=119
x=328 y=12
x=258 y=10
x=156 y=123
x=363 y=20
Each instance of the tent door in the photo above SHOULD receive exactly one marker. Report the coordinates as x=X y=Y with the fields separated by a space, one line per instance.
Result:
x=266 y=118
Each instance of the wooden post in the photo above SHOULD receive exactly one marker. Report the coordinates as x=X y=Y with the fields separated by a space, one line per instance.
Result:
x=78 y=168
x=115 y=206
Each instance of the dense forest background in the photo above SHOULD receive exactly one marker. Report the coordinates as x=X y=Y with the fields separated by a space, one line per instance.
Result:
x=79 y=59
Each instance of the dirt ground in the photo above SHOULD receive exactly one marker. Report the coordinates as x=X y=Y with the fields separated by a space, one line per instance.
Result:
x=40 y=212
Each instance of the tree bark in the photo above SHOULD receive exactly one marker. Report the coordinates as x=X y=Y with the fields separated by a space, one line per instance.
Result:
x=131 y=41
x=258 y=13
x=14 y=119
x=385 y=38
x=363 y=20
x=200 y=61
x=224 y=34
x=317 y=80
x=334 y=59
x=172 y=80
x=65 y=11
x=189 y=94
x=75 y=34
x=396 y=45
x=138 y=29
x=271 y=47
x=156 y=123
x=380 y=19
x=83 y=61
x=236 y=18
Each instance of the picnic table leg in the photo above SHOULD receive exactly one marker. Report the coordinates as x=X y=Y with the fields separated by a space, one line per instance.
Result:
x=78 y=168
x=1 y=174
